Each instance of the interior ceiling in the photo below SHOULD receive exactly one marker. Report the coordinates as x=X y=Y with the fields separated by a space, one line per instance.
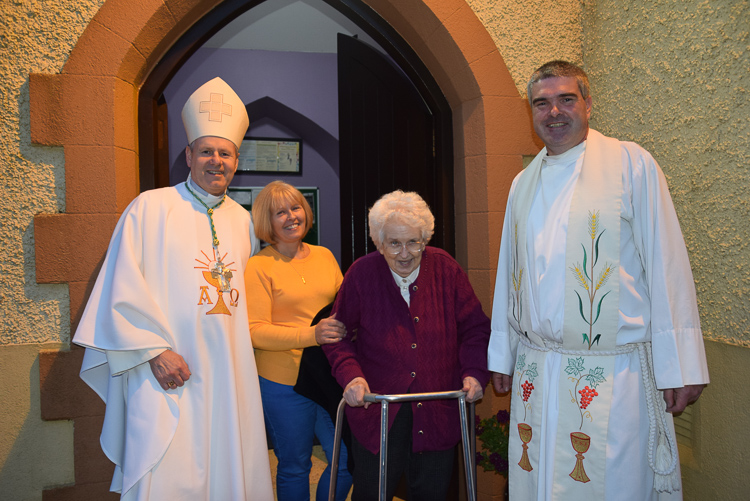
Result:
x=288 y=26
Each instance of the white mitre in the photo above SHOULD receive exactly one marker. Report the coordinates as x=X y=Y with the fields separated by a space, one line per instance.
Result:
x=215 y=110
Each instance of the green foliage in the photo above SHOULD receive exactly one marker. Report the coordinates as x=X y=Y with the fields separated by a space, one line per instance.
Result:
x=595 y=376
x=575 y=366
x=492 y=433
x=521 y=363
x=531 y=372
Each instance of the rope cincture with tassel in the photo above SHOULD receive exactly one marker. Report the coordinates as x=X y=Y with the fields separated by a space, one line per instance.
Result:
x=662 y=446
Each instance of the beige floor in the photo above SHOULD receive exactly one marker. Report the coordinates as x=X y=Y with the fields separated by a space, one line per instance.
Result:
x=318 y=465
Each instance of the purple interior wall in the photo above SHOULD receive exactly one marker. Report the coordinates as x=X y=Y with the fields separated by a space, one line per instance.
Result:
x=300 y=89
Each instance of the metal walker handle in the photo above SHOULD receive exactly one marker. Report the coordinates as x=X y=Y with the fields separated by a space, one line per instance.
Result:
x=467 y=436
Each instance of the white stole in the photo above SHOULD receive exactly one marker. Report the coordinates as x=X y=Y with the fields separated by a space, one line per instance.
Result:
x=589 y=329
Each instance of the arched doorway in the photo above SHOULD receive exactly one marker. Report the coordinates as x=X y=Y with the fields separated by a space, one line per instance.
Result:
x=402 y=142
x=91 y=109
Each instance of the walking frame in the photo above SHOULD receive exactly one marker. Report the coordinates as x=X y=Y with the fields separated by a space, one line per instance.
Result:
x=467 y=436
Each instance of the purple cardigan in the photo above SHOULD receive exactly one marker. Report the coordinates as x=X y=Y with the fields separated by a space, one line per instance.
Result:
x=430 y=346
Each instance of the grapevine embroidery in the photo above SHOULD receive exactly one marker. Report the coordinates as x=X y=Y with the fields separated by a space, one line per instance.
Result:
x=527 y=387
x=587 y=395
x=524 y=390
x=582 y=398
x=584 y=273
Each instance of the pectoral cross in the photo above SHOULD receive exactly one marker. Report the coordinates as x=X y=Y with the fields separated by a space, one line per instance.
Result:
x=223 y=275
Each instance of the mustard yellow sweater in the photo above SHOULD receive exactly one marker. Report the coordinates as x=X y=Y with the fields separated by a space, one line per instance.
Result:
x=280 y=306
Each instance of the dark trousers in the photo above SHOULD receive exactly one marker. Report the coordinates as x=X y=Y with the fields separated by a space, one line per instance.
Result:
x=428 y=474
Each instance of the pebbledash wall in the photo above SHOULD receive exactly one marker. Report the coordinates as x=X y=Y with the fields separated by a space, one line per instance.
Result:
x=669 y=74
x=35 y=37
x=674 y=76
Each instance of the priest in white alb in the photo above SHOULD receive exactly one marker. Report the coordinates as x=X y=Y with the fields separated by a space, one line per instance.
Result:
x=166 y=328
x=595 y=326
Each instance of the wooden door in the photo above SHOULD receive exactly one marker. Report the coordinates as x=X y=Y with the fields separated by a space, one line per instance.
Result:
x=388 y=136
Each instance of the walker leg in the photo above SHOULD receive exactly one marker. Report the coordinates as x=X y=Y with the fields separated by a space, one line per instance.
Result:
x=473 y=442
x=336 y=451
x=383 y=449
x=468 y=458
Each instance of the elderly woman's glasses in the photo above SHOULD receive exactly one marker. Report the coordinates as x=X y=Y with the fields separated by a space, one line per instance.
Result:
x=395 y=247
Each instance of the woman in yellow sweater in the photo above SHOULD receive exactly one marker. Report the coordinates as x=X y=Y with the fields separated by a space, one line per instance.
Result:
x=287 y=283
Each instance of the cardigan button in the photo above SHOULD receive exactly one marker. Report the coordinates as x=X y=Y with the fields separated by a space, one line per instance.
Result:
x=416 y=320
x=421 y=432
x=413 y=374
x=419 y=405
x=415 y=288
x=414 y=346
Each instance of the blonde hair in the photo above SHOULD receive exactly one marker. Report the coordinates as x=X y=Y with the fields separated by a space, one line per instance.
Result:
x=406 y=207
x=270 y=199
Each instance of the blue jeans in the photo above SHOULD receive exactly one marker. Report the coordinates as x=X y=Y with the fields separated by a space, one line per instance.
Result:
x=292 y=421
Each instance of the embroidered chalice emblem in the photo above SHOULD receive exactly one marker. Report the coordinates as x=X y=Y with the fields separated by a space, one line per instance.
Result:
x=524 y=390
x=219 y=275
x=581 y=443
x=525 y=432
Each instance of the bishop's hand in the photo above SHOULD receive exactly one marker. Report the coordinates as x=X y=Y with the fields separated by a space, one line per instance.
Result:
x=169 y=369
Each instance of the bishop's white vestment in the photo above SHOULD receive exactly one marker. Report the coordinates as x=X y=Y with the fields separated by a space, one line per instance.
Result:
x=658 y=326
x=156 y=290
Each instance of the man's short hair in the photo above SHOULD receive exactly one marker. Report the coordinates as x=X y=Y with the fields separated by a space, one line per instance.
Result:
x=560 y=69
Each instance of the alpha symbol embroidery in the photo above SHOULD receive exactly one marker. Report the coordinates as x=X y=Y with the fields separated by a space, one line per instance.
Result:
x=216 y=108
x=204 y=296
x=219 y=276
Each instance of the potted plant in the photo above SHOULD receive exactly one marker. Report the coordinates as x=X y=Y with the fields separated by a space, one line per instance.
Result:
x=492 y=433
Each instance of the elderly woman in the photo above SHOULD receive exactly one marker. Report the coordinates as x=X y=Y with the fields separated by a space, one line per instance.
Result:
x=287 y=283
x=413 y=325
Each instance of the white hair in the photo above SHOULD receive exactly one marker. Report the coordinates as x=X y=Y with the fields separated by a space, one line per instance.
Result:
x=406 y=207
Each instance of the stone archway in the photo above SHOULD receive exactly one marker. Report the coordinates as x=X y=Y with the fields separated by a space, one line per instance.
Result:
x=90 y=109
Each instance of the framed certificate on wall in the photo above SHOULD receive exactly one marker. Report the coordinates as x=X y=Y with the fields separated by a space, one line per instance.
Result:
x=267 y=154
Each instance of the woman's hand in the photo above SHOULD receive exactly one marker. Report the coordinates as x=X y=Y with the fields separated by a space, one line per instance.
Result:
x=473 y=389
x=354 y=393
x=329 y=330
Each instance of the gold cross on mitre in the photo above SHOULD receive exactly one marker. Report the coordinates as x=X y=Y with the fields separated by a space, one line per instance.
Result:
x=216 y=107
